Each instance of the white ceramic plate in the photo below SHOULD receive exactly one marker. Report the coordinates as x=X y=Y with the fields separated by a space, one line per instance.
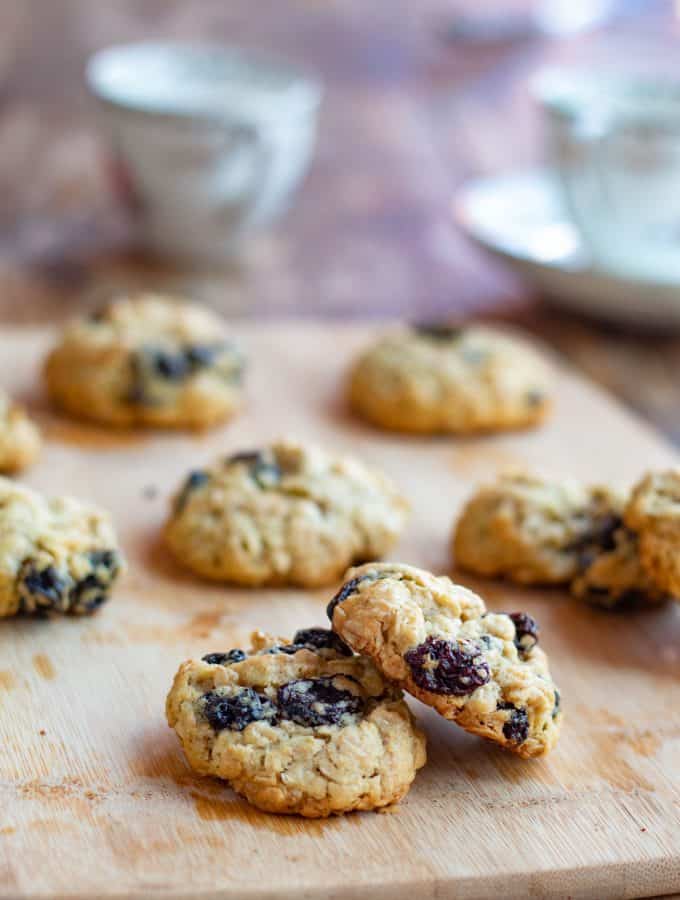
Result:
x=519 y=218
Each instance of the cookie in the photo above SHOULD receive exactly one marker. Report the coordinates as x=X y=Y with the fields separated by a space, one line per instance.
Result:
x=534 y=530
x=435 y=379
x=613 y=576
x=147 y=360
x=56 y=555
x=653 y=513
x=286 y=514
x=19 y=437
x=435 y=639
x=302 y=727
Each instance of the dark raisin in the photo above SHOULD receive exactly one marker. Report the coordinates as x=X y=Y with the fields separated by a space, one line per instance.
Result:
x=598 y=590
x=201 y=356
x=193 y=480
x=238 y=710
x=535 y=397
x=174 y=364
x=250 y=457
x=92 y=591
x=526 y=632
x=317 y=701
x=321 y=639
x=138 y=393
x=437 y=331
x=287 y=649
x=345 y=591
x=101 y=314
x=266 y=472
x=169 y=365
x=558 y=703
x=602 y=597
x=312 y=639
x=445 y=667
x=88 y=596
x=43 y=590
x=516 y=728
x=225 y=659
x=604 y=532
x=599 y=537
x=631 y=599
x=107 y=558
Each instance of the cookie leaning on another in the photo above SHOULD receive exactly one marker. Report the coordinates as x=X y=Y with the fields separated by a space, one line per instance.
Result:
x=286 y=514
x=653 y=513
x=435 y=639
x=534 y=530
x=302 y=727
x=19 y=438
x=438 y=379
x=147 y=360
x=56 y=555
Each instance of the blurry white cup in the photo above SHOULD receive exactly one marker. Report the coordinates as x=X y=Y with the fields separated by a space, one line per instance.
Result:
x=208 y=142
x=614 y=141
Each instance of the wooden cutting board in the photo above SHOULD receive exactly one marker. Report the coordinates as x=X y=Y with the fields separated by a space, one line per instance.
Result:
x=95 y=797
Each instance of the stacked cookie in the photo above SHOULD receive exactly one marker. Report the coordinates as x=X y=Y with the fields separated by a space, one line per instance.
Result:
x=611 y=550
x=319 y=726
x=300 y=727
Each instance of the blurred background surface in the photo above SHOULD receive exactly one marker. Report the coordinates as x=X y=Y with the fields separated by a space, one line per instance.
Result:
x=417 y=99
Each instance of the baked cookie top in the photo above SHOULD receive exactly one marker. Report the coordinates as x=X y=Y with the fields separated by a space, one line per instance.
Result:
x=303 y=727
x=147 y=359
x=439 y=378
x=436 y=640
x=531 y=529
x=56 y=555
x=19 y=437
x=289 y=513
x=653 y=512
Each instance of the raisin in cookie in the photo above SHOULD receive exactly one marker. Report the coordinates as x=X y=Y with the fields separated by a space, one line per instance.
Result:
x=302 y=727
x=56 y=555
x=653 y=513
x=441 y=379
x=612 y=575
x=534 y=530
x=19 y=437
x=435 y=639
x=147 y=360
x=287 y=514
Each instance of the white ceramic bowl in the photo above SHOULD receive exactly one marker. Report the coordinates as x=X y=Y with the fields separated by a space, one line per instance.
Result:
x=208 y=142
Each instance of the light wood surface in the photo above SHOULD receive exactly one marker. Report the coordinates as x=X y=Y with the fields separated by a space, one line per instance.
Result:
x=95 y=797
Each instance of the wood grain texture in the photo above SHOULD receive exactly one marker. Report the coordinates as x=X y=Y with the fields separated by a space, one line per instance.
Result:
x=95 y=797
